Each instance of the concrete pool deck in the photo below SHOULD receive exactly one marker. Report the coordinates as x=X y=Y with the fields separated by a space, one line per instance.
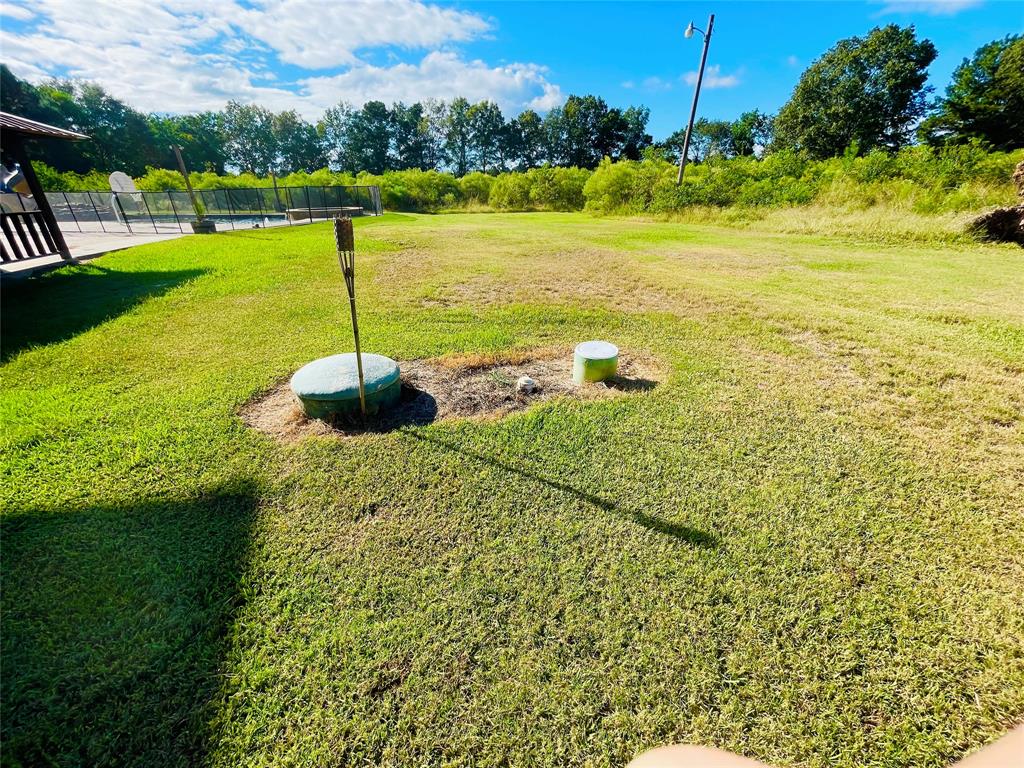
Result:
x=89 y=245
x=83 y=246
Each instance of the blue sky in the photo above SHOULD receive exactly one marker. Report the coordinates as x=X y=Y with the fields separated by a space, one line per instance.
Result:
x=188 y=55
x=635 y=52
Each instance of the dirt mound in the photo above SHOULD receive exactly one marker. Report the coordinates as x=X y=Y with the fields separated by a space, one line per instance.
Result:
x=462 y=386
x=1003 y=225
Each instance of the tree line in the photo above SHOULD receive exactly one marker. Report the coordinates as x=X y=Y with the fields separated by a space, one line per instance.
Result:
x=864 y=94
x=429 y=135
x=869 y=93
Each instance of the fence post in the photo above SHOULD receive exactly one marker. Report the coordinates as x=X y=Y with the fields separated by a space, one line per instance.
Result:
x=123 y=214
x=149 y=212
x=201 y=193
x=71 y=211
x=309 y=208
x=95 y=210
x=174 y=211
x=231 y=211
x=259 y=202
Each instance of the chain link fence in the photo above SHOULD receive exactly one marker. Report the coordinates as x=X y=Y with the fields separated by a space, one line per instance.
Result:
x=250 y=208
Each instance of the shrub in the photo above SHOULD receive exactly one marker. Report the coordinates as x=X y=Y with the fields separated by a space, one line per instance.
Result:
x=510 y=192
x=923 y=180
x=919 y=179
x=160 y=180
x=414 y=190
x=476 y=187
x=51 y=179
x=612 y=187
x=69 y=181
x=558 y=189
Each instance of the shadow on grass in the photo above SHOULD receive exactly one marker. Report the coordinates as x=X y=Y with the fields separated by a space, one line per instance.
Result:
x=631 y=384
x=418 y=408
x=114 y=624
x=683 y=533
x=415 y=408
x=250 y=234
x=66 y=302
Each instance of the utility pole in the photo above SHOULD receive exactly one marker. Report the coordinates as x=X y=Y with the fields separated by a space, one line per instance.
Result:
x=188 y=183
x=696 y=93
x=200 y=226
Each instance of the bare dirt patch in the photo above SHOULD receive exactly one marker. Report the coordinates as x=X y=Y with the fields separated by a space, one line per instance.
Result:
x=457 y=386
x=598 y=279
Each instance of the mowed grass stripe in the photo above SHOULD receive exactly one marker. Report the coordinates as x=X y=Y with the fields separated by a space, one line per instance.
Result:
x=804 y=546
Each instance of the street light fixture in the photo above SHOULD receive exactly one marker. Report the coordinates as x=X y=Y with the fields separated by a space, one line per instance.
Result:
x=690 y=29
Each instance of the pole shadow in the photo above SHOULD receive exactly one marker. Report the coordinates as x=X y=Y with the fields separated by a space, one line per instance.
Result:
x=415 y=408
x=63 y=303
x=114 y=625
x=683 y=533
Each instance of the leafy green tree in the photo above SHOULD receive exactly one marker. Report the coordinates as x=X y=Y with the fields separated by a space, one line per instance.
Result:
x=554 y=136
x=524 y=140
x=300 y=146
x=409 y=136
x=458 y=135
x=585 y=129
x=203 y=141
x=20 y=97
x=580 y=132
x=634 y=139
x=120 y=135
x=249 y=138
x=866 y=92
x=985 y=100
x=435 y=116
x=367 y=139
x=753 y=129
x=711 y=138
x=611 y=131
x=199 y=136
x=332 y=128
x=708 y=138
x=486 y=131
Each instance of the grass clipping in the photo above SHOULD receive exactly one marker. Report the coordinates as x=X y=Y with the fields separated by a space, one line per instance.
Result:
x=454 y=387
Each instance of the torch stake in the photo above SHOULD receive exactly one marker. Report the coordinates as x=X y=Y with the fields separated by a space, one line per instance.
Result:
x=345 y=242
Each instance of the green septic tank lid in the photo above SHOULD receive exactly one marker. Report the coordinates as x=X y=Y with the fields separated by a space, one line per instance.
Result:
x=597 y=350
x=337 y=378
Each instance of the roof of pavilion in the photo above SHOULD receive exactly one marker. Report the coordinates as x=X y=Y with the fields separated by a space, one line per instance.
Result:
x=25 y=127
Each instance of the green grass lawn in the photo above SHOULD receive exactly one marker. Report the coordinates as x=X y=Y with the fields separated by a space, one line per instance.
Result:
x=806 y=546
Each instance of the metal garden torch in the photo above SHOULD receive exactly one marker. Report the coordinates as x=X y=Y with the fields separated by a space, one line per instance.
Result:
x=345 y=241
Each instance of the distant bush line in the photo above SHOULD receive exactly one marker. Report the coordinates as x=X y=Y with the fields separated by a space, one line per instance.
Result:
x=921 y=179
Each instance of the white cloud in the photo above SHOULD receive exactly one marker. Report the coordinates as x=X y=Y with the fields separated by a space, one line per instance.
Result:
x=928 y=7
x=550 y=98
x=316 y=34
x=713 y=78
x=629 y=84
x=441 y=75
x=18 y=12
x=655 y=84
x=792 y=61
x=191 y=55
